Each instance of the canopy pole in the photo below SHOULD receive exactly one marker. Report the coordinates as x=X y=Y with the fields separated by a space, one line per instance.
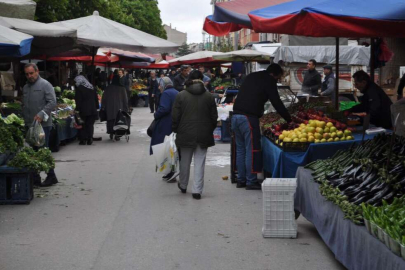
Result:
x=93 y=70
x=337 y=75
x=59 y=74
x=372 y=60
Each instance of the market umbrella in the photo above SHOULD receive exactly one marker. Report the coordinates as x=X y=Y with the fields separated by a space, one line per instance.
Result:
x=13 y=43
x=97 y=31
x=23 y=9
x=127 y=55
x=195 y=58
x=48 y=39
x=243 y=56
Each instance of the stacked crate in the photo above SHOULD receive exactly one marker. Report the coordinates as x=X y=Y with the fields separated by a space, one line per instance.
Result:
x=278 y=207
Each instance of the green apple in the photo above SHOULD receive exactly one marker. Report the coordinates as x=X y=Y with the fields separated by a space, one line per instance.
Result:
x=333 y=135
x=333 y=129
x=321 y=124
x=319 y=130
x=337 y=139
x=348 y=132
x=311 y=139
x=326 y=136
x=340 y=134
x=326 y=130
x=330 y=140
x=329 y=124
x=296 y=140
x=318 y=136
x=317 y=141
x=323 y=140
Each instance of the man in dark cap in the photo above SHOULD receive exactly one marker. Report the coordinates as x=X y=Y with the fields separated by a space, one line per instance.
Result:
x=328 y=84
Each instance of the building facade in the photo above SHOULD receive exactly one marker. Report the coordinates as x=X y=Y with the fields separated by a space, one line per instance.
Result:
x=175 y=35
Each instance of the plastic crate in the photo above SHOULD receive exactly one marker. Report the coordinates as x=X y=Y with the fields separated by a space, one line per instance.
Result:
x=278 y=207
x=16 y=186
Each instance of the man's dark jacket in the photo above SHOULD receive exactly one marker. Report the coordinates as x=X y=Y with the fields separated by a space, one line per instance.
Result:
x=194 y=117
x=153 y=87
x=312 y=82
x=255 y=91
x=179 y=82
x=376 y=102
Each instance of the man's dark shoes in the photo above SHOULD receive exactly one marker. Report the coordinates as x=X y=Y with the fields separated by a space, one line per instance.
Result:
x=197 y=196
x=183 y=190
x=111 y=136
x=82 y=143
x=49 y=181
x=89 y=141
x=168 y=176
x=240 y=185
x=255 y=186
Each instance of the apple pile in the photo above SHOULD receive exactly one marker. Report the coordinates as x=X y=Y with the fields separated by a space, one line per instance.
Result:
x=315 y=131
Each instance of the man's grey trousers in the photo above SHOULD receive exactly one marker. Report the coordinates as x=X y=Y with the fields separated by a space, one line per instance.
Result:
x=186 y=155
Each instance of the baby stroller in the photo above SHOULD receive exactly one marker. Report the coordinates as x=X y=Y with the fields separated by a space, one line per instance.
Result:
x=122 y=125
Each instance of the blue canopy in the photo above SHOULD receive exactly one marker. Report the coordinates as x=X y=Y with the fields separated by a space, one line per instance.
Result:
x=13 y=43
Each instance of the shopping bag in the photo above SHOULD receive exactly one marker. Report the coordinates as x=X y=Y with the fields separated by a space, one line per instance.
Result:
x=161 y=154
x=174 y=154
x=35 y=135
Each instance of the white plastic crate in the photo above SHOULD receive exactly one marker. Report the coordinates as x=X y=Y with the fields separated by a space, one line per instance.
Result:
x=278 y=208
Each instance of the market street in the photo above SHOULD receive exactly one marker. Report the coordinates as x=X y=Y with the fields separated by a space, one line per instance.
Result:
x=111 y=211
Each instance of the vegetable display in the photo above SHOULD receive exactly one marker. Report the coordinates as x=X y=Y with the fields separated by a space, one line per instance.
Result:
x=12 y=106
x=37 y=161
x=68 y=94
x=11 y=130
x=368 y=173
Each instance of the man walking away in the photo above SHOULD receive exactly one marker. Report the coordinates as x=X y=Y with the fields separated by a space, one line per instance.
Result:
x=180 y=79
x=38 y=102
x=256 y=90
x=194 y=119
x=312 y=79
x=328 y=84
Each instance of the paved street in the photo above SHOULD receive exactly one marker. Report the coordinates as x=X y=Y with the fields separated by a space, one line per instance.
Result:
x=111 y=211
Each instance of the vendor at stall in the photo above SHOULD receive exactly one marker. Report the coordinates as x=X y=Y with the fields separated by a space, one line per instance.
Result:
x=374 y=101
x=328 y=84
x=312 y=79
x=38 y=102
x=257 y=89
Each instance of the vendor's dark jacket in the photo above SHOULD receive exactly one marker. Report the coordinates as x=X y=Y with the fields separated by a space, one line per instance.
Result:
x=86 y=101
x=114 y=99
x=194 y=117
x=376 y=102
x=312 y=82
x=153 y=87
x=179 y=82
x=255 y=91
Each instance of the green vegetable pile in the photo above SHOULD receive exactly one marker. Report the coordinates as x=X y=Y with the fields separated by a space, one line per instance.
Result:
x=390 y=218
x=69 y=94
x=57 y=89
x=13 y=119
x=363 y=174
x=69 y=102
x=37 y=161
x=11 y=131
x=12 y=106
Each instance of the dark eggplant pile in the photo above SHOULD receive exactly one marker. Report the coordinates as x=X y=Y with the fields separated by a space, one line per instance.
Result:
x=368 y=173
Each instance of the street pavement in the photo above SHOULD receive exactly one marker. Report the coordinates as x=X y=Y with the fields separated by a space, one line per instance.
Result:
x=112 y=211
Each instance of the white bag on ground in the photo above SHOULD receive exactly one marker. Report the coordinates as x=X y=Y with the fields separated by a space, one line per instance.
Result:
x=35 y=135
x=166 y=155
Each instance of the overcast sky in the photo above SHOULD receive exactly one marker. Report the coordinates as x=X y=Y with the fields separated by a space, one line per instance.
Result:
x=186 y=15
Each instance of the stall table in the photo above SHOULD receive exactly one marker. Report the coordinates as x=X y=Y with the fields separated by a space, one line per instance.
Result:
x=282 y=164
x=61 y=133
x=352 y=245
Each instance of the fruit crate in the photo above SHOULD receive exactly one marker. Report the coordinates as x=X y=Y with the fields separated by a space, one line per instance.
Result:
x=278 y=208
x=294 y=146
x=16 y=186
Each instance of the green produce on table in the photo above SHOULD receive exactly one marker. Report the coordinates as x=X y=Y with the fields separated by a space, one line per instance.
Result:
x=57 y=89
x=389 y=217
x=11 y=138
x=361 y=175
x=69 y=94
x=134 y=93
x=38 y=161
x=11 y=106
x=13 y=119
x=69 y=102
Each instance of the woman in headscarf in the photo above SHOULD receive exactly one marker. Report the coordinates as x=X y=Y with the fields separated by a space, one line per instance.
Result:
x=163 y=116
x=86 y=105
x=114 y=99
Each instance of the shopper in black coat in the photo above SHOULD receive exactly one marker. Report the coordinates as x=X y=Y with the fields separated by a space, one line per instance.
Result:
x=86 y=105
x=374 y=102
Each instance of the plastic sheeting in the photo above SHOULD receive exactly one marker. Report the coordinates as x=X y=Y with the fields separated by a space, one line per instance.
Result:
x=197 y=57
x=349 y=55
x=243 y=55
x=13 y=43
x=22 y=9
x=97 y=31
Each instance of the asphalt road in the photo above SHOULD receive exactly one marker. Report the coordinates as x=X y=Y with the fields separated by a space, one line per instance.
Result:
x=112 y=211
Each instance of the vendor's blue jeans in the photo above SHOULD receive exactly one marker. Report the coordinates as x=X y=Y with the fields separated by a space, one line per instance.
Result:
x=241 y=128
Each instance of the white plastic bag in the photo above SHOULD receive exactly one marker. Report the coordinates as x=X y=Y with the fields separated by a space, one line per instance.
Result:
x=35 y=135
x=166 y=155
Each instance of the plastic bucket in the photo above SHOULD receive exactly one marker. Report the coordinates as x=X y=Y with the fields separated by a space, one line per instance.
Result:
x=380 y=234
x=395 y=247
x=374 y=229
x=387 y=240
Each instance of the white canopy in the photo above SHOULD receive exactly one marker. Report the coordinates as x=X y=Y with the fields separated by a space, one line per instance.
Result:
x=243 y=56
x=349 y=55
x=23 y=9
x=197 y=57
x=97 y=31
x=37 y=29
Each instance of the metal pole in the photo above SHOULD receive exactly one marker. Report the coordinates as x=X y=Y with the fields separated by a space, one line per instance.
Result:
x=337 y=75
x=93 y=55
x=372 y=60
